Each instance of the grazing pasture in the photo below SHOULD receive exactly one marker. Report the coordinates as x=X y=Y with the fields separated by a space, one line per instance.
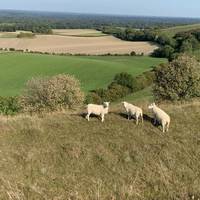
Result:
x=93 y=71
x=62 y=156
x=76 y=42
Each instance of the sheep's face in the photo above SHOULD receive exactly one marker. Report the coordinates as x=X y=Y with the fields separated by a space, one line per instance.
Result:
x=106 y=104
x=124 y=103
x=151 y=106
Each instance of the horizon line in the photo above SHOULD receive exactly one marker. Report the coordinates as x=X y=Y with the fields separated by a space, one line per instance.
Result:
x=100 y=14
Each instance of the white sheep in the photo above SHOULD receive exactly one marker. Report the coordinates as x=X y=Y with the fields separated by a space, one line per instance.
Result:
x=99 y=110
x=132 y=110
x=160 y=116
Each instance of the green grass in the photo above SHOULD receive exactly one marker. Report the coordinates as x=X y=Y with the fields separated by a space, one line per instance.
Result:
x=173 y=30
x=196 y=54
x=140 y=96
x=93 y=71
x=62 y=156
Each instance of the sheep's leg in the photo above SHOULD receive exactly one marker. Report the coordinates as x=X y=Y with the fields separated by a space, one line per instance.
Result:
x=88 y=116
x=167 y=127
x=163 y=127
x=136 y=120
x=155 y=121
x=102 y=118
x=142 y=118
x=128 y=116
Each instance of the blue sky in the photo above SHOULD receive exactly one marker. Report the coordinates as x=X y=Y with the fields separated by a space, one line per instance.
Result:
x=183 y=8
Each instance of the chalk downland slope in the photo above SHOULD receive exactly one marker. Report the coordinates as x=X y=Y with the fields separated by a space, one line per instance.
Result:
x=62 y=156
x=77 y=42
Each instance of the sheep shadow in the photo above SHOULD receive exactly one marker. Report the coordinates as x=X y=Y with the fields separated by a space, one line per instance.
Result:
x=84 y=114
x=145 y=117
x=151 y=120
x=123 y=115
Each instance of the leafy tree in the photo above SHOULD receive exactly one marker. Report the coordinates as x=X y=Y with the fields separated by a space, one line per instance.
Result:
x=177 y=80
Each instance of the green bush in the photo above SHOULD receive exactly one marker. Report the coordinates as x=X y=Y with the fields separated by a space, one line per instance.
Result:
x=122 y=85
x=178 y=80
x=124 y=79
x=143 y=81
x=164 y=52
x=60 y=91
x=133 y=53
x=116 y=91
x=11 y=49
x=93 y=98
x=9 y=105
x=101 y=93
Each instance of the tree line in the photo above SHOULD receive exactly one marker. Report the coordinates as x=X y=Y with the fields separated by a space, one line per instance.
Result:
x=43 y=22
x=170 y=46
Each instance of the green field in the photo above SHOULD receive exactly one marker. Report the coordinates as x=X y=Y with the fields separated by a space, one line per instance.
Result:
x=93 y=71
x=173 y=30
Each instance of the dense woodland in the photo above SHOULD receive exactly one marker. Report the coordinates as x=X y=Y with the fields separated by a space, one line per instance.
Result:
x=43 y=22
x=170 y=46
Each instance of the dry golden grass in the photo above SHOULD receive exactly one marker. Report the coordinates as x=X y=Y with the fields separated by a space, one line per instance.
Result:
x=77 y=45
x=61 y=156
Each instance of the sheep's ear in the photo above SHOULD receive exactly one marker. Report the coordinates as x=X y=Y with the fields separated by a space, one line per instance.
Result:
x=153 y=104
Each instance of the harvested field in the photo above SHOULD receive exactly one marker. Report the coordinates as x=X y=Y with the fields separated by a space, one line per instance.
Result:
x=76 y=45
x=78 y=32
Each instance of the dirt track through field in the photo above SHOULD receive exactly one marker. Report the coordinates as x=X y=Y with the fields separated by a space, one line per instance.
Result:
x=75 y=45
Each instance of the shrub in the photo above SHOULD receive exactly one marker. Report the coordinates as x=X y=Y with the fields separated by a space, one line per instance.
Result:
x=116 y=91
x=164 y=52
x=11 y=49
x=143 y=81
x=60 y=91
x=93 y=98
x=124 y=79
x=122 y=85
x=133 y=53
x=177 y=80
x=9 y=105
x=101 y=93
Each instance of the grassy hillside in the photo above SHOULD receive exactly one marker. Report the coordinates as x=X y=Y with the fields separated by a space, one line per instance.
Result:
x=173 y=30
x=62 y=156
x=92 y=71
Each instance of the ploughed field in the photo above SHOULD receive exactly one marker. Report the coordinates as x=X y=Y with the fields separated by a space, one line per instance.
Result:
x=93 y=71
x=75 y=42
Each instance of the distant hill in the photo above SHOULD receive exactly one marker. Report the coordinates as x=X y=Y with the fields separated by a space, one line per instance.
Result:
x=56 y=20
